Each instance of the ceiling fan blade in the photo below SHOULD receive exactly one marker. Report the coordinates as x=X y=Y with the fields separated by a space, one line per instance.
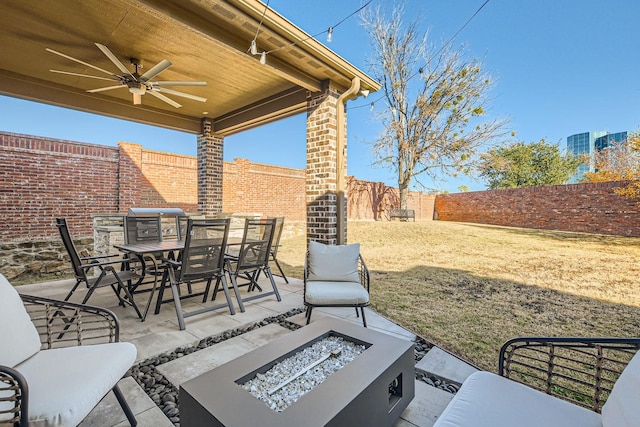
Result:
x=84 y=75
x=81 y=62
x=137 y=99
x=182 y=94
x=176 y=83
x=114 y=59
x=105 y=88
x=165 y=99
x=155 y=70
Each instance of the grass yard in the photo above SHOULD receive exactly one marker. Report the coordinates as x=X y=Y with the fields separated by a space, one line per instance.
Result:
x=468 y=288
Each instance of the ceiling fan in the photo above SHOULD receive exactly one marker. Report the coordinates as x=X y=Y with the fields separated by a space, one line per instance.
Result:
x=137 y=84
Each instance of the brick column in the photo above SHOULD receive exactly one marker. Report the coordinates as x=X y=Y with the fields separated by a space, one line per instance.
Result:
x=321 y=185
x=209 y=170
x=130 y=176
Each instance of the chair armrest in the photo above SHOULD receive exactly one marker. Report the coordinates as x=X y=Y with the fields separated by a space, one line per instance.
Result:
x=579 y=370
x=105 y=263
x=65 y=324
x=98 y=257
x=14 y=392
x=363 y=272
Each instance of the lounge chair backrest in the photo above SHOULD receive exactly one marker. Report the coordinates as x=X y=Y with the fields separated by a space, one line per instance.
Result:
x=76 y=262
x=142 y=229
x=256 y=243
x=205 y=243
x=622 y=408
x=18 y=335
x=333 y=263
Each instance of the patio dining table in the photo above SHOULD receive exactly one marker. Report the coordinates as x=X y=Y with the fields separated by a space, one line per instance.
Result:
x=144 y=253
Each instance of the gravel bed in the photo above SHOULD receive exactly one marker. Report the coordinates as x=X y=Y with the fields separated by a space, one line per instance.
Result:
x=265 y=386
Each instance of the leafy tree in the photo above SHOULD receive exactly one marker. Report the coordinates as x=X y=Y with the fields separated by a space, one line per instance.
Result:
x=527 y=165
x=433 y=98
x=619 y=162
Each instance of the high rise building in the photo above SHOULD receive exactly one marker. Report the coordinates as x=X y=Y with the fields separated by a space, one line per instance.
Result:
x=586 y=144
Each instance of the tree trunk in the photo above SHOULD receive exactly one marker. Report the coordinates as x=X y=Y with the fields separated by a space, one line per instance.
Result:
x=404 y=195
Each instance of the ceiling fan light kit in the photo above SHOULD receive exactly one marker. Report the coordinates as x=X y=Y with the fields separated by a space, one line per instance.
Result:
x=137 y=84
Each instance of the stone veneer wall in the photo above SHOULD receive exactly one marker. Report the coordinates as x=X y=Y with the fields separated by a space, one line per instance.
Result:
x=588 y=208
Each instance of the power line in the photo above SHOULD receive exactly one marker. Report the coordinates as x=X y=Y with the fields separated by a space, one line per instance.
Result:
x=327 y=31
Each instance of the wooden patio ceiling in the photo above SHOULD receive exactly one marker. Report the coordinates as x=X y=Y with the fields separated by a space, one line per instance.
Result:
x=206 y=40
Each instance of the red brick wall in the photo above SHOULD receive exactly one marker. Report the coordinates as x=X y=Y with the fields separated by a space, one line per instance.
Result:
x=44 y=178
x=374 y=200
x=590 y=208
x=259 y=188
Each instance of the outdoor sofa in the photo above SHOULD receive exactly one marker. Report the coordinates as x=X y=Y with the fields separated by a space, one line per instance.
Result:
x=556 y=366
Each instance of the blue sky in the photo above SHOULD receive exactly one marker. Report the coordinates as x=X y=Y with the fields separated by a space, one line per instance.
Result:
x=562 y=67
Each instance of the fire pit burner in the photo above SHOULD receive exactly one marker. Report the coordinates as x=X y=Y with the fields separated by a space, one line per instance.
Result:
x=279 y=388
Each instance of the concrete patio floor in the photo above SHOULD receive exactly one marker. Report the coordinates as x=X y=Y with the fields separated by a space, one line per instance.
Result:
x=159 y=334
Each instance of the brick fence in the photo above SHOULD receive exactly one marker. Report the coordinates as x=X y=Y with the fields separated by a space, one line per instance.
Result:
x=589 y=208
x=45 y=178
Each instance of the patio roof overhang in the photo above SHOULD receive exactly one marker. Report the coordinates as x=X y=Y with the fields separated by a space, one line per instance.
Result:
x=206 y=40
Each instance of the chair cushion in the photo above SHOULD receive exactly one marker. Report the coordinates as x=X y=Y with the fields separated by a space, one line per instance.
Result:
x=333 y=263
x=65 y=384
x=621 y=408
x=18 y=335
x=335 y=293
x=489 y=400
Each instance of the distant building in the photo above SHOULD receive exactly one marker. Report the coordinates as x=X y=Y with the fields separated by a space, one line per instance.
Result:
x=587 y=143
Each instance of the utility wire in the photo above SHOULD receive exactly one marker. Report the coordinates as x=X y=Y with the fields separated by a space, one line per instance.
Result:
x=438 y=53
x=322 y=32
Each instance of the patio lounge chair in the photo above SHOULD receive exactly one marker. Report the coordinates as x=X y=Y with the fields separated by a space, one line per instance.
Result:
x=252 y=258
x=335 y=276
x=201 y=260
x=105 y=265
x=567 y=382
x=57 y=360
x=275 y=245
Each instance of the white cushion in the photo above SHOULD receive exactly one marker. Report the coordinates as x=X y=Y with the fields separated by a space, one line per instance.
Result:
x=333 y=263
x=18 y=336
x=335 y=293
x=489 y=400
x=65 y=384
x=622 y=408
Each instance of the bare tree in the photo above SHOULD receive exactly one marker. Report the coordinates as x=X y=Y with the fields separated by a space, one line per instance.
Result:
x=433 y=101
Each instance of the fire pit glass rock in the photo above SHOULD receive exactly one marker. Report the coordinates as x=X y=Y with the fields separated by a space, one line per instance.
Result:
x=290 y=379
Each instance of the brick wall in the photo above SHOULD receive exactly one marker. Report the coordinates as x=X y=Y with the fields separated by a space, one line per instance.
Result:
x=44 y=178
x=259 y=188
x=590 y=208
x=373 y=201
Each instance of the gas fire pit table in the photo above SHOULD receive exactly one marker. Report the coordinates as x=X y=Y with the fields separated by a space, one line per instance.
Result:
x=372 y=389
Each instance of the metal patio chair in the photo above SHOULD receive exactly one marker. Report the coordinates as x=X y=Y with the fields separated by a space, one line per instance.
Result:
x=57 y=360
x=275 y=245
x=335 y=276
x=553 y=381
x=202 y=260
x=113 y=273
x=252 y=258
